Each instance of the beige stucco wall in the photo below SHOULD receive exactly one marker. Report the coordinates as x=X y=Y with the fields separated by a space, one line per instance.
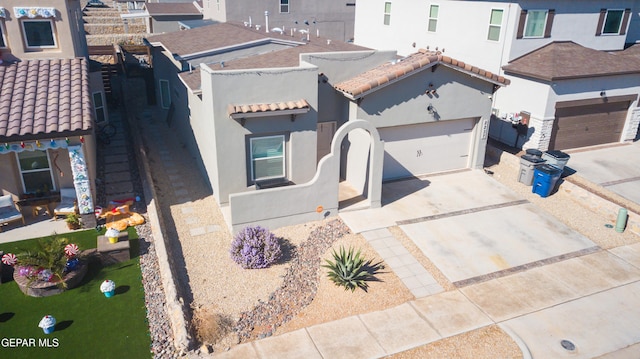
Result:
x=67 y=23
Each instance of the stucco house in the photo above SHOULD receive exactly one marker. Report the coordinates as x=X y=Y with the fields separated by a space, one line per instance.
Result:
x=47 y=111
x=332 y=19
x=280 y=123
x=568 y=88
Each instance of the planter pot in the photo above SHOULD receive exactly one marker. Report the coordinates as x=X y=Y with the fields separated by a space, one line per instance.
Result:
x=49 y=330
x=113 y=239
x=39 y=288
x=110 y=294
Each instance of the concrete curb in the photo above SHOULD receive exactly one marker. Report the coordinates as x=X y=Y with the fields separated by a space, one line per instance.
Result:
x=526 y=353
x=175 y=307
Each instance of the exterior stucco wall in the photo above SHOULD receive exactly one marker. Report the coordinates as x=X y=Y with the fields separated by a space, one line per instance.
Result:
x=68 y=27
x=315 y=199
x=230 y=139
x=10 y=183
x=162 y=24
x=462 y=28
x=458 y=96
x=336 y=67
x=333 y=19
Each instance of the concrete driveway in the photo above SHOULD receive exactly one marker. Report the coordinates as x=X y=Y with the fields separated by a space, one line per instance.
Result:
x=615 y=168
x=470 y=225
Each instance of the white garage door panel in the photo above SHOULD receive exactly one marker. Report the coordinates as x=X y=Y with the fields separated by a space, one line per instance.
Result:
x=425 y=148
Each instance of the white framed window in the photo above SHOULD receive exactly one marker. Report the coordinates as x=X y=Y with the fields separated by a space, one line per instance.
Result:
x=284 y=6
x=267 y=157
x=165 y=94
x=387 y=13
x=536 y=22
x=433 y=18
x=613 y=22
x=39 y=34
x=495 y=25
x=98 y=106
x=35 y=171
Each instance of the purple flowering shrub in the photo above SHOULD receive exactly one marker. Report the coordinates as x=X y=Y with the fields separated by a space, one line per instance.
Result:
x=255 y=247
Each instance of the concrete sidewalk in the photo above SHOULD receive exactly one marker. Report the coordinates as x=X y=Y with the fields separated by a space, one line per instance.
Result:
x=580 y=300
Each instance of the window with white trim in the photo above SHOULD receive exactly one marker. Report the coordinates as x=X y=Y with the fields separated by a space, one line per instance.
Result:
x=284 y=6
x=267 y=157
x=536 y=22
x=495 y=25
x=387 y=13
x=35 y=171
x=39 y=34
x=433 y=18
x=613 y=22
x=165 y=94
x=98 y=106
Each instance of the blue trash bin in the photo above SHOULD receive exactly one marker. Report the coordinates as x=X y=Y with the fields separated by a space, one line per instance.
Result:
x=545 y=178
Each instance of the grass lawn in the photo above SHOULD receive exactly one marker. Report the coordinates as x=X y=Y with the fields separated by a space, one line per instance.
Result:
x=89 y=325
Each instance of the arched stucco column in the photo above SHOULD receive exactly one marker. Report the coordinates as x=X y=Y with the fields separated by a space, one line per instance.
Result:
x=376 y=157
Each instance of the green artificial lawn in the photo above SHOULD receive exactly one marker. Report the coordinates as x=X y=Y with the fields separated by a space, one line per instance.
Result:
x=89 y=325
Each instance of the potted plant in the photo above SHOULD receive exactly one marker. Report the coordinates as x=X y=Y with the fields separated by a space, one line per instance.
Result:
x=73 y=221
x=49 y=268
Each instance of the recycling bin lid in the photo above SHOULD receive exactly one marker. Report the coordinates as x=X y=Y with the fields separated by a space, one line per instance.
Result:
x=557 y=154
x=549 y=169
x=532 y=158
x=534 y=152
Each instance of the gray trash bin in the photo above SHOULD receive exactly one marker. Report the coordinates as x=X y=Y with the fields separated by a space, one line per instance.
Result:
x=556 y=158
x=528 y=164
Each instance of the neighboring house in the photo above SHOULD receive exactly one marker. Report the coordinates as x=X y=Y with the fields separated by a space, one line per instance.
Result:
x=166 y=16
x=277 y=122
x=573 y=102
x=330 y=18
x=47 y=116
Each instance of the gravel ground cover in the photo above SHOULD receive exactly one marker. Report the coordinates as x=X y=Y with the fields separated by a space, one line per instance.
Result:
x=279 y=299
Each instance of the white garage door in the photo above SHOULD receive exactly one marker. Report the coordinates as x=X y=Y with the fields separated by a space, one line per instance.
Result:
x=426 y=148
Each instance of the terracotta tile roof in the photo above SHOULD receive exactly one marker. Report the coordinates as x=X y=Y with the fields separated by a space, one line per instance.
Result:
x=563 y=60
x=267 y=107
x=393 y=71
x=43 y=97
x=171 y=8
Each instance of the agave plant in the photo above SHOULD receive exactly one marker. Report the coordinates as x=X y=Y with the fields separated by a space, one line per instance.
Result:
x=349 y=269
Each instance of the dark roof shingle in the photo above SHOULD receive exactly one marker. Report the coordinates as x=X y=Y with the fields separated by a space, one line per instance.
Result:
x=391 y=71
x=40 y=97
x=563 y=60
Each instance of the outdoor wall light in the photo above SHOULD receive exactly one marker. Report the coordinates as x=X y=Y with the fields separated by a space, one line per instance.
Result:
x=603 y=93
x=431 y=109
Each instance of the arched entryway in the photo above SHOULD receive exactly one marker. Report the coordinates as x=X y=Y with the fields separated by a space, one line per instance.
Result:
x=361 y=153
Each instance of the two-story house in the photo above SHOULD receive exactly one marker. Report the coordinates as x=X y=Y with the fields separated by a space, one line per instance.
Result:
x=47 y=96
x=570 y=88
x=278 y=122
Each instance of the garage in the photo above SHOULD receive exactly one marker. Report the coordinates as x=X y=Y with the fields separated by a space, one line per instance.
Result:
x=588 y=122
x=419 y=149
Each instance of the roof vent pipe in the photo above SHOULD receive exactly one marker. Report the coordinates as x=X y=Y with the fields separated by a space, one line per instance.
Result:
x=249 y=21
x=317 y=32
x=266 y=21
